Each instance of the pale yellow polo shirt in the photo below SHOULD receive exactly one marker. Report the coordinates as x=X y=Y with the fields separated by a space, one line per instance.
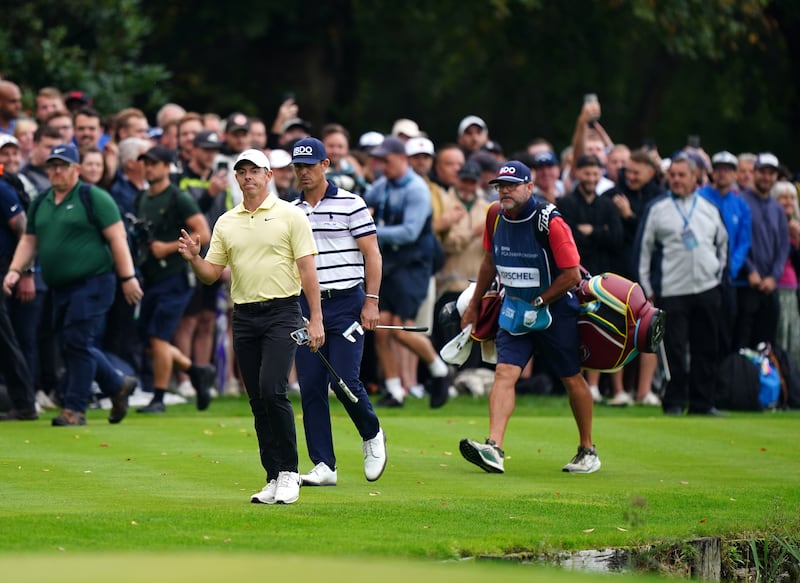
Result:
x=262 y=248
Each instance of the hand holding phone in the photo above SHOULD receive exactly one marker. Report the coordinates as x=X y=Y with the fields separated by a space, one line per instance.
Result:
x=591 y=108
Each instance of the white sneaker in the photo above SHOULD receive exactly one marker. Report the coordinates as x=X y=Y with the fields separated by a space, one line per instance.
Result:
x=267 y=494
x=288 y=489
x=486 y=456
x=650 y=400
x=622 y=399
x=417 y=391
x=584 y=462
x=185 y=389
x=374 y=456
x=321 y=475
x=596 y=396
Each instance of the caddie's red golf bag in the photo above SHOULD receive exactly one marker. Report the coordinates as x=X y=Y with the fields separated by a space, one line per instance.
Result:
x=616 y=322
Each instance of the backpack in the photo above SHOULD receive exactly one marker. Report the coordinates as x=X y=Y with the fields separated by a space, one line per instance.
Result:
x=738 y=384
x=86 y=199
x=790 y=377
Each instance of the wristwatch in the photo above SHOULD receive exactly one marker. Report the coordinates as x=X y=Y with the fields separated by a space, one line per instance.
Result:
x=538 y=302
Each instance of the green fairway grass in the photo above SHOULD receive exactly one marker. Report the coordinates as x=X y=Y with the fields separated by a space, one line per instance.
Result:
x=179 y=484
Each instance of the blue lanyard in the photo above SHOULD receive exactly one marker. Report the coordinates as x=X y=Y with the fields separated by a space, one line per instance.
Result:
x=686 y=218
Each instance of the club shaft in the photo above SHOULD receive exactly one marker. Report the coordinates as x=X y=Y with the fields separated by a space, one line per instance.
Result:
x=339 y=380
x=406 y=328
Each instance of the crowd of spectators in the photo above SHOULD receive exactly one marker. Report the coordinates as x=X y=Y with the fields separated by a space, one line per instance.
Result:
x=602 y=188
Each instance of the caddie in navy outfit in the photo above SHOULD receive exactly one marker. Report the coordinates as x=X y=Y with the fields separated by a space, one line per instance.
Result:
x=349 y=261
x=530 y=246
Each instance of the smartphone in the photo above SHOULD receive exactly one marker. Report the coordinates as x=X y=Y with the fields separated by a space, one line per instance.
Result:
x=649 y=144
x=289 y=95
x=591 y=98
x=693 y=141
x=222 y=166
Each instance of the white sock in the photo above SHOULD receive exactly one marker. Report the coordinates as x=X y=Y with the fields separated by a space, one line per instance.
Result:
x=438 y=368
x=395 y=388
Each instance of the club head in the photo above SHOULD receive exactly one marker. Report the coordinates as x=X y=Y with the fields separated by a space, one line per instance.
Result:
x=301 y=336
x=349 y=333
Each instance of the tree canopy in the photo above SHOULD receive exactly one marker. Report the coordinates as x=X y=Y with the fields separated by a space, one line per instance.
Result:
x=724 y=69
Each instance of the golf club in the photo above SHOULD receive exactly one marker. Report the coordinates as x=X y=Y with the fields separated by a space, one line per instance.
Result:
x=356 y=327
x=301 y=338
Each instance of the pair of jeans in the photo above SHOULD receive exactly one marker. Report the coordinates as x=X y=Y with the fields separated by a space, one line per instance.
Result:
x=80 y=311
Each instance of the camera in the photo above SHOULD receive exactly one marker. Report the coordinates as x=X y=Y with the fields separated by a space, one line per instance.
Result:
x=140 y=235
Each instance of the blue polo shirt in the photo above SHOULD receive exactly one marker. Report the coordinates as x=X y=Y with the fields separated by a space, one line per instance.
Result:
x=10 y=207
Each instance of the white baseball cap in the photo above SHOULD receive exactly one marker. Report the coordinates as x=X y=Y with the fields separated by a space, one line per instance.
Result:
x=420 y=145
x=6 y=139
x=257 y=157
x=471 y=120
x=279 y=159
x=724 y=158
x=370 y=139
x=406 y=127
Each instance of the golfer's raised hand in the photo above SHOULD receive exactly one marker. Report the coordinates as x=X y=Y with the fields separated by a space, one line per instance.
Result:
x=188 y=248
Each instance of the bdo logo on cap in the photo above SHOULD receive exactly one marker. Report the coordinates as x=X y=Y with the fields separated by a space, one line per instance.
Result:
x=303 y=151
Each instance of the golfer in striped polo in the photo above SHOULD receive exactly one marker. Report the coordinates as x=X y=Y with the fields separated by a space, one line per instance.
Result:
x=349 y=270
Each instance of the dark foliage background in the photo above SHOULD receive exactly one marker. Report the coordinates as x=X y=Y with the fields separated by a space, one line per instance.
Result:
x=724 y=69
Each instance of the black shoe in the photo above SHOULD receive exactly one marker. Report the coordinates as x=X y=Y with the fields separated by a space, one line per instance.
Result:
x=20 y=415
x=152 y=407
x=711 y=412
x=673 y=411
x=439 y=388
x=119 y=402
x=68 y=417
x=388 y=401
x=202 y=381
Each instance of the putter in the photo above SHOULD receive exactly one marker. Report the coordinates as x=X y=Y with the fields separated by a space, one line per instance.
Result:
x=356 y=327
x=302 y=338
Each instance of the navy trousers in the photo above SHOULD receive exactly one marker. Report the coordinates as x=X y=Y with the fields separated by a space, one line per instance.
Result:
x=339 y=311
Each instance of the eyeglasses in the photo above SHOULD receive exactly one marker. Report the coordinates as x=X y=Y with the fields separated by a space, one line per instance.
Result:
x=506 y=186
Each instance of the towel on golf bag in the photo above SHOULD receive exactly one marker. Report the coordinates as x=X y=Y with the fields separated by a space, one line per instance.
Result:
x=616 y=322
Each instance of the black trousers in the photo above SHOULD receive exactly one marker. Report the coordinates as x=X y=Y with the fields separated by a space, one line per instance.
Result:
x=691 y=341
x=265 y=350
x=14 y=365
x=757 y=317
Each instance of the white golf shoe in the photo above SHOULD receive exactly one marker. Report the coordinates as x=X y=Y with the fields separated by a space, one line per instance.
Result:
x=266 y=495
x=288 y=490
x=374 y=456
x=321 y=475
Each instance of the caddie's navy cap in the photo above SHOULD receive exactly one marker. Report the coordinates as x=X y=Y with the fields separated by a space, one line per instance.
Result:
x=513 y=171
